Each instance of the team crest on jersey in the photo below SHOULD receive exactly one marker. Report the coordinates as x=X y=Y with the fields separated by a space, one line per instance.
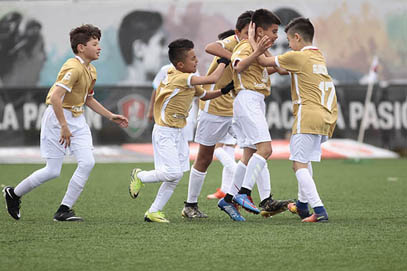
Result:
x=134 y=108
x=67 y=76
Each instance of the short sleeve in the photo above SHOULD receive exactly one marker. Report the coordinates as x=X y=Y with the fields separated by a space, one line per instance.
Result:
x=69 y=76
x=229 y=43
x=241 y=51
x=291 y=61
x=200 y=91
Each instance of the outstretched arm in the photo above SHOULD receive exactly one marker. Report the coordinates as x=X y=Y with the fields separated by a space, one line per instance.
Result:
x=214 y=48
x=213 y=77
x=93 y=104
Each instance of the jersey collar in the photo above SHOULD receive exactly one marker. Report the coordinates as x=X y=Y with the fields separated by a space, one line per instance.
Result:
x=309 y=48
x=80 y=59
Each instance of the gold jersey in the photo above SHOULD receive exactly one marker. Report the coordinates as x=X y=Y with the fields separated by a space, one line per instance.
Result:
x=255 y=77
x=174 y=97
x=78 y=80
x=312 y=91
x=222 y=105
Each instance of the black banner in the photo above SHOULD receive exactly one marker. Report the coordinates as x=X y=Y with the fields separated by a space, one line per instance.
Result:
x=21 y=111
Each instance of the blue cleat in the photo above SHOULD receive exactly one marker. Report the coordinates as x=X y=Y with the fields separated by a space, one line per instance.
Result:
x=231 y=210
x=246 y=202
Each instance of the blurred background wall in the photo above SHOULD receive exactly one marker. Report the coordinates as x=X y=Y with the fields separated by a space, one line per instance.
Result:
x=34 y=43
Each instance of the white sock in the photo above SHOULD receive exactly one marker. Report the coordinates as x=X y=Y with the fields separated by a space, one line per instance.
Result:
x=238 y=177
x=308 y=187
x=51 y=171
x=86 y=162
x=263 y=183
x=254 y=167
x=157 y=176
x=226 y=155
x=310 y=169
x=196 y=180
x=163 y=195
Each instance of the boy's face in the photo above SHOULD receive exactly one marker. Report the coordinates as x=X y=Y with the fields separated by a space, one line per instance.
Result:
x=243 y=34
x=271 y=32
x=190 y=62
x=91 y=50
x=294 y=41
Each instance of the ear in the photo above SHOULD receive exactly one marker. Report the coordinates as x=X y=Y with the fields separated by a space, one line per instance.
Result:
x=180 y=65
x=80 y=48
x=297 y=37
x=139 y=49
x=259 y=31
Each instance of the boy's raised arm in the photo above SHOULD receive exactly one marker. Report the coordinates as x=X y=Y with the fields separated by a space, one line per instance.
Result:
x=213 y=77
x=214 y=48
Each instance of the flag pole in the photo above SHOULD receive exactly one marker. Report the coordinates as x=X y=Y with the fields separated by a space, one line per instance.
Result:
x=371 y=82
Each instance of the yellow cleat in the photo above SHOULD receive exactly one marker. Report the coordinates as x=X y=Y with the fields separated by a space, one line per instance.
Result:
x=155 y=217
x=135 y=183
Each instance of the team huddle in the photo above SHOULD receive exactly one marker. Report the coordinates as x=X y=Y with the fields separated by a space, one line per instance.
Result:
x=232 y=111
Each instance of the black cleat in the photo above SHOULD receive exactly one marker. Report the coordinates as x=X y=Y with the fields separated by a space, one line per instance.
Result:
x=67 y=216
x=273 y=207
x=12 y=202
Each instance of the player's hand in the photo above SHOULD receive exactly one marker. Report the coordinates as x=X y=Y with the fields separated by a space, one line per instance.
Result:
x=223 y=60
x=65 y=136
x=150 y=117
x=263 y=44
x=121 y=120
x=226 y=89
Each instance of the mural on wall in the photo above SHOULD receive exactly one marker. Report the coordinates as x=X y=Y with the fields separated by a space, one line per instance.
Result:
x=34 y=44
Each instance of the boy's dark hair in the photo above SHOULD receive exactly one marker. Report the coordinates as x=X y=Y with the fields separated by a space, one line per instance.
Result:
x=226 y=34
x=244 y=19
x=178 y=49
x=264 y=18
x=137 y=25
x=82 y=34
x=302 y=26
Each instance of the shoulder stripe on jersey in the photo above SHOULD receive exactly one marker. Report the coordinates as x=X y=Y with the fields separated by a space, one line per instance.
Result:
x=63 y=86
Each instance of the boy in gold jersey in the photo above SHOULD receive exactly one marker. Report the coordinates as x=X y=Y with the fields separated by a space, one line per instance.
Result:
x=252 y=85
x=64 y=126
x=314 y=108
x=172 y=102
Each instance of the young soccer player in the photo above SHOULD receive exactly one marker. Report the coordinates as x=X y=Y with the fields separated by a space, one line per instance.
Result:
x=252 y=85
x=215 y=117
x=64 y=128
x=173 y=99
x=314 y=108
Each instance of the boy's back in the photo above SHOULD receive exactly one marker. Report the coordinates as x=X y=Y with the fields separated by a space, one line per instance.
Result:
x=312 y=87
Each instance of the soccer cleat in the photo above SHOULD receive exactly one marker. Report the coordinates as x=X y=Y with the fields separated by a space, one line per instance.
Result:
x=135 y=183
x=155 y=217
x=217 y=195
x=12 y=202
x=316 y=218
x=192 y=212
x=273 y=207
x=231 y=210
x=246 y=202
x=67 y=216
x=302 y=213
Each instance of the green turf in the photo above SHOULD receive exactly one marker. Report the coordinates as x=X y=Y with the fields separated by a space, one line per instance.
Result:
x=367 y=229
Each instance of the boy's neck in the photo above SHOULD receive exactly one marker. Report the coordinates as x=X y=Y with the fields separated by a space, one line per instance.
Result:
x=305 y=44
x=85 y=61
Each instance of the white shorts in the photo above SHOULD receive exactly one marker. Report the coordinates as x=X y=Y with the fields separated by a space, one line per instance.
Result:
x=249 y=119
x=51 y=133
x=306 y=148
x=228 y=140
x=211 y=128
x=171 y=151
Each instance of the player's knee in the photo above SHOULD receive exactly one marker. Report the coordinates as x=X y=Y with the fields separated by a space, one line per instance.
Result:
x=53 y=172
x=87 y=164
x=173 y=176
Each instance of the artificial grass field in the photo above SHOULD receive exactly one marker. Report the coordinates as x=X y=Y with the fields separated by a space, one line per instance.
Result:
x=365 y=201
